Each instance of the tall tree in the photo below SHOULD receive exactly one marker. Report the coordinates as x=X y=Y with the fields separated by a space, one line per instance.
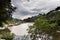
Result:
x=5 y=10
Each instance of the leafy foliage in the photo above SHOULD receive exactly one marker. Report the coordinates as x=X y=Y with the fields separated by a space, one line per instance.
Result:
x=6 y=10
x=46 y=26
x=5 y=34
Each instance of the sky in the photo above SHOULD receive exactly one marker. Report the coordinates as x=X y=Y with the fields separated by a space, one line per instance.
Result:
x=29 y=8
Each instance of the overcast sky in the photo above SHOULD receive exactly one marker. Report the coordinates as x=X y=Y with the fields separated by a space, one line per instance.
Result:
x=28 y=8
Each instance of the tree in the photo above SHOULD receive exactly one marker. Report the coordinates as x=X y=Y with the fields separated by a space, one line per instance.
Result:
x=42 y=27
x=46 y=27
x=6 y=10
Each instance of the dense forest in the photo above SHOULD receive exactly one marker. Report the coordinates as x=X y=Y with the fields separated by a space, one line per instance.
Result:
x=46 y=27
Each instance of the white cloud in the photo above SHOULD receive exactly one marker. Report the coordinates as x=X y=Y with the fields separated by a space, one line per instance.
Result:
x=28 y=8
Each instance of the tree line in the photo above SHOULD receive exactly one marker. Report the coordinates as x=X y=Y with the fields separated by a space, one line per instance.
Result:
x=47 y=26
